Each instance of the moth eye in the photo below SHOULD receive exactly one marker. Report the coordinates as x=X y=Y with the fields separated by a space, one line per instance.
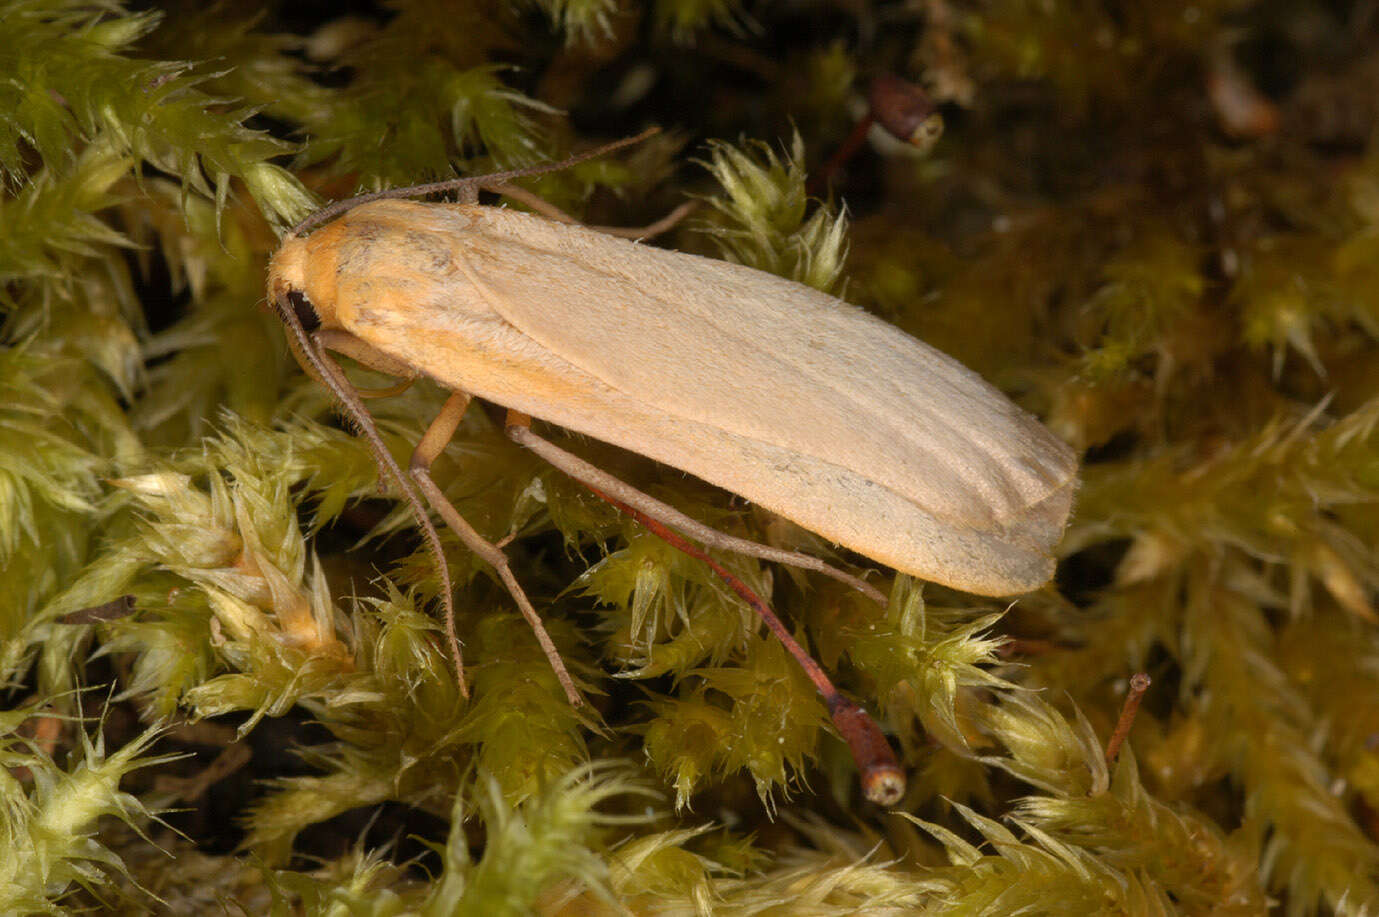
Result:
x=306 y=313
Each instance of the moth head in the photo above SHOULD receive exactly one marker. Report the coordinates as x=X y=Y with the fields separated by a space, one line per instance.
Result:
x=301 y=279
x=301 y=290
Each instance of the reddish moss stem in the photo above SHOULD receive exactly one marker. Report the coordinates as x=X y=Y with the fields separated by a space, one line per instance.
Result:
x=1139 y=683
x=883 y=781
x=904 y=109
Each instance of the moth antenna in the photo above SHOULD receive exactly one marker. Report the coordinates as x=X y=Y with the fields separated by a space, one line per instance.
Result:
x=474 y=182
x=355 y=412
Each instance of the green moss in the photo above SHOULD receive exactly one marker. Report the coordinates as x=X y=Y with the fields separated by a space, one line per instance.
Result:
x=1155 y=225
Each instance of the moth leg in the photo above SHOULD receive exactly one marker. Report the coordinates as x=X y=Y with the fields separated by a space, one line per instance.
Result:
x=363 y=353
x=550 y=211
x=651 y=230
x=518 y=429
x=366 y=354
x=432 y=443
x=883 y=780
x=535 y=202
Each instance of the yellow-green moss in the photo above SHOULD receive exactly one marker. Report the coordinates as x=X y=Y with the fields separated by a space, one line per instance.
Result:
x=1187 y=294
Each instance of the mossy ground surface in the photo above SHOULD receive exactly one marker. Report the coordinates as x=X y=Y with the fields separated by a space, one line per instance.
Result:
x=1156 y=226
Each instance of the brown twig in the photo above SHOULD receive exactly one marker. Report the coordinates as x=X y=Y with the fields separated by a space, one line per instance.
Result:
x=1139 y=683
x=109 y=611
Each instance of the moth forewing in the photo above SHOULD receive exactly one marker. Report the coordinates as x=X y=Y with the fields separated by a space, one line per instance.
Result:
x=793 y=399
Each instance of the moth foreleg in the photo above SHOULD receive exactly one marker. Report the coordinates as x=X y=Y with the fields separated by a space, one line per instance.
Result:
x=366 y=354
